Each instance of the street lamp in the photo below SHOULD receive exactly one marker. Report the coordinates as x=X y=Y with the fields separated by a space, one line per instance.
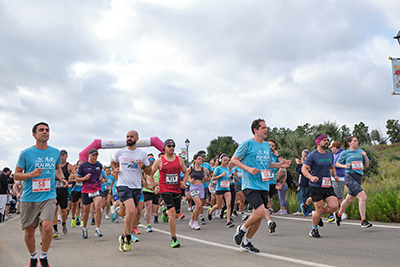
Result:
x=397 y=37
x=187 y=143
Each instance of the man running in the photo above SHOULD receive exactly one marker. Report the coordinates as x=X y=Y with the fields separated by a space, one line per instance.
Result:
x=254 y=157
x=170 y=167
x=39 y=167
x=128 y=164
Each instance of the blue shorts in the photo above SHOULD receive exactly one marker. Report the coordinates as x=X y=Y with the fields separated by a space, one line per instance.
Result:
x=353 y=183
x=125 y=193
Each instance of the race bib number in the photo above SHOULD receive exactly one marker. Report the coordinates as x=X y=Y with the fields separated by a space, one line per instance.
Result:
x=107 y=187
x=225 y=184
x=41 y=185
x=239 y=175
x=267 y=175
x=326 y=182
x=194 y=193
x=171 y=178
x=94 y=194
x=59 y=184
x=357 y=165
x=78 y=184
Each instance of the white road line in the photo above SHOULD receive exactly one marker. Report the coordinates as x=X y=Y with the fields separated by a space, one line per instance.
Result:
x=276 y=257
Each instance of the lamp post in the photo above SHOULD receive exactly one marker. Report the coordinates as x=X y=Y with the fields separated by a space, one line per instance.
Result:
x=187 y=143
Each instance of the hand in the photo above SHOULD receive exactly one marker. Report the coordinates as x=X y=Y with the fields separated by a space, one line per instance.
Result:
x=298 y=189
x=64 y=182
x=275 y=153
x=314 y=179
x=140 y=163
x=183 y=185
x=285 y=163
x=347 y=166
x=156 y=190
x=116 y=171
x=223 y=174
x=364 y=154
x=37 y=172
x=253 y=171
x=336 y=179
x=87 y=176
x=298 y=161
x=19 y=196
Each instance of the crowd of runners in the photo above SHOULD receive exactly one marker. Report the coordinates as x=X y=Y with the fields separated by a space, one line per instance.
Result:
x=53 y=189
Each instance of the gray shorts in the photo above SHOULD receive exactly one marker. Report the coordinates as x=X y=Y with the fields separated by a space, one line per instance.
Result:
x=238 y=188
x=353 y=183
x=34 y=212
x=197 y=190
x=339 y=188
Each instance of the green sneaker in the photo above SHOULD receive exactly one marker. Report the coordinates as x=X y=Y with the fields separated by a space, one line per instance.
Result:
x=121 y=243
x=127 y=245
x=175 y=244
x=73 y=223
x=164 y=217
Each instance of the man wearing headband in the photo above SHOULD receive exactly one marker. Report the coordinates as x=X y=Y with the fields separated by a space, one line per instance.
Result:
x=319 y=167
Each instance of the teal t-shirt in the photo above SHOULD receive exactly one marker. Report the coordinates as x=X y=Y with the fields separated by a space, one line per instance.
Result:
x=223 y=181
x=355 y=158
x=239 y=174
x=255 y=155
x=43 y=187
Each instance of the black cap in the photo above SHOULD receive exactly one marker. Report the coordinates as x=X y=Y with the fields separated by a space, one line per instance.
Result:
x=63 y=152
x=93 y=151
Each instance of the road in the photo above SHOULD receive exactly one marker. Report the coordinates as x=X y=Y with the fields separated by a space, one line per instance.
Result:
x=290 y=245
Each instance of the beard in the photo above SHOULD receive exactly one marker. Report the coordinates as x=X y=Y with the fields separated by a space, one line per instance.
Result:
x=130 y=143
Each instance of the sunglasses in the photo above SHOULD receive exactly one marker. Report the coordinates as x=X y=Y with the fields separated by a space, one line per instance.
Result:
x=170 y=145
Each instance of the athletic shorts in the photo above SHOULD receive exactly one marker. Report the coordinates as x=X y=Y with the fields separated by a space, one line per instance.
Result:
x=125 y=193
x=353 y=183
x=197 y=190
x=62 y=197
x=34 y=212
x=238 y=188
x=256 y=198
x=105 y=193
x=87 y=198
x=172 y=200
x=9 y=200
x=338 y=187
x=75 y=196
x=221 y=192
x=272 y=190
x=154 y=198
x=319 y=193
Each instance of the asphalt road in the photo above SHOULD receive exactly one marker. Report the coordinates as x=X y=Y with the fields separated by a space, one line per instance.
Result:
x=290 y=245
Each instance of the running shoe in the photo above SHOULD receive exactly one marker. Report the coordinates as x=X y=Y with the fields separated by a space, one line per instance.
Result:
x=271 y=211
x=134 y=238
x=102 y=210
x=155 y=219
x=73 y=223
x=337 y=218
x=234 y=214
x=202 y=221
x=238 y=236
x=77 y=221
x=164 y=216
x=297 y=213
x=93 y=221
x=59 y=218
x=181 y=216
x=209 y=216
x=33 y=262
x=136 y=231
x=191 y=224
x=44 y=262
x=84 y=234
x=320 y=223
x=303 y=209
x=127 y=244
x=230 y=224
x=272 y=227
x=344 y=216
x=149 y=229
x=107 y=217
x=244 y=217
x=6 y=218
x=196 y=225
x=314 y=233
x=190 y=209
x=64 y=230
x=98 y=233
x=55 y=234
x=249 y=247
x=366 y=224
x=121 y=243
x=114 y=216
x=175 y=244
x=331 y=218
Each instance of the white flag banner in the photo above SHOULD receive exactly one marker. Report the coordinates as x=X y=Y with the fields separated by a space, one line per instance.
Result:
x=396 y=75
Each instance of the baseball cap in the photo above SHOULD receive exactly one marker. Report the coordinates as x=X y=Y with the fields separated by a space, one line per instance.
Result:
x=64 y=152
x=335 y=144
x=93 y=151
x=169 y=142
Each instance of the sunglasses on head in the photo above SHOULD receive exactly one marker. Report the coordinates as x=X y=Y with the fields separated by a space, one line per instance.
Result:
x=170 y=145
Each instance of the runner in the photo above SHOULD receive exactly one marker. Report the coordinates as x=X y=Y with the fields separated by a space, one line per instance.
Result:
x=170 y=183
x=354 y=160
x=76 y=196
x=151 y=199
x=89 y=173
x=254 y=157
x=318 y=167
x=107 y=192
x=39 y=167
x=239 y=193
x=127 y=165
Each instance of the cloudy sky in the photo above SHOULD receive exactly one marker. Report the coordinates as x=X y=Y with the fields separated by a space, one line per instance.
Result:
x=192 y=69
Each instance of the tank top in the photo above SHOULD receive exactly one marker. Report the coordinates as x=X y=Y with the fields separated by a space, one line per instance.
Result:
x=66 y=175
x=170 y=176
x=197 y=175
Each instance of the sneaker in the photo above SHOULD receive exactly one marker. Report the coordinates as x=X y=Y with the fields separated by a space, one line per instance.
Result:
x=121 y=243
x=33 y=263
x=107 y=217
x=230 y=224
x=102 y=210
x=366 y=224
x=279 y=212
x=303 y=210
x=6 y=218
x=127 y=245
x=331 y=218
x=98 y=233
x=114 y=216
x=297 y=213
x=64 y=230
x=59 y=218
x=314 y=233
x=164 y=216
x=73 y=223
x=189 y=208
x=44 y=262
x=272 y=227
x=84 y=234
x=202 y=221
x=191 y=224
x=234 y=214
x=175 y=244
x=337 y=218
x=93 y=222
x=149 y=229
x=55 y=234
x=209 y=216
x=238 y=236
x=77 y=221
x=134 y=238
x=181 y=216
x=136 y=231
x=196 y=225
x=344 y=216
x=155 y=219
x=320 y=223
x=249 y=247
x=271 y=211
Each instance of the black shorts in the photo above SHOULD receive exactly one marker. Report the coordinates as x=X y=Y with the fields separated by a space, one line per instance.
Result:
x=221 y=192
x=172 y=200
x=62 y=197
x=125 y=193
x=75 y=196
x=256 y=198
x=272 y=190
x=151 y=196
x=87 y=198
x=319 y=193
x=105 y=193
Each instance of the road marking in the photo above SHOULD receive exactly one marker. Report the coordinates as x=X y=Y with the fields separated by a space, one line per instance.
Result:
x=276 y=257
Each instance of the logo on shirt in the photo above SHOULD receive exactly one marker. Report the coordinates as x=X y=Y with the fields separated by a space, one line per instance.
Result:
x=262 y=156
x=46 y=163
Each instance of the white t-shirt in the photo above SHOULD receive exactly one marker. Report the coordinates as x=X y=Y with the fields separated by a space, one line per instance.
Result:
x=130 y=173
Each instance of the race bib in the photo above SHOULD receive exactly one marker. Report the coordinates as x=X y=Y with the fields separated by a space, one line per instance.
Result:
x=41 y=185
x=194 y=193
x=239 y=174
x=326 y=182
x=171 y=178
x=78 y=184
x=107 y=187
x=225 y=184
x=94 y=194
x=357 y=165
x=59 y=184
x=267 y=175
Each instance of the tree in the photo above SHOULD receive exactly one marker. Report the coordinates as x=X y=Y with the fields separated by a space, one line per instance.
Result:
x=344 y=134
x=361 y=132
x=393 y=130
x=375 y=136
x=330 y=129
x=222 y=144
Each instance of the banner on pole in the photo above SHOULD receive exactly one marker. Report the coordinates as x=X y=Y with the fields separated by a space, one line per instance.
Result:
x=396 y=75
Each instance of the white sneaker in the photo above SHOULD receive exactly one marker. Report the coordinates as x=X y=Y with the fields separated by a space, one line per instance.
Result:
x=297 y=213
x=191 y=224
x=344 y=216
x=107 y=217
x=196 y=225
x=189 y=208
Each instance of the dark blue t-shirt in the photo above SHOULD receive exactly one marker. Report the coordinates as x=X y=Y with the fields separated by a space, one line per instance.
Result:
x=320 y=165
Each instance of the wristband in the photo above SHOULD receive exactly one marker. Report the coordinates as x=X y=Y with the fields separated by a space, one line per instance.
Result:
x=143 y=167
